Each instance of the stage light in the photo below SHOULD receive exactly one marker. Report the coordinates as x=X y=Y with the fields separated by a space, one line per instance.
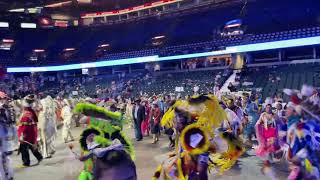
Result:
x=45 y=21
x=69 y=49
x=4 y=24
x=59 y=23
x=84 y=1
x=17 y=10
x=159 y=37
x=38 y=50
x=29 y=25
x=58 y=4
x=34 y=10
x=7 y=40
x=104 y=45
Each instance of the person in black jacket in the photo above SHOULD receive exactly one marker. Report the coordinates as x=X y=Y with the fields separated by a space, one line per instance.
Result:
x=138 y=113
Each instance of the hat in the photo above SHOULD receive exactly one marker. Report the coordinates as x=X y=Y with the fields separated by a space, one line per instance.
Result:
x=28 y=100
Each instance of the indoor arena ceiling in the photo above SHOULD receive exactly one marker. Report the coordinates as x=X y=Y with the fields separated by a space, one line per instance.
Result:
x=83 y=5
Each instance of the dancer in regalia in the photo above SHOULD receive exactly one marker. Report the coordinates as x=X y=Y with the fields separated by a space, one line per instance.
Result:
x=267 y=135
x=7 y=137
x=47 y=126
x=200 y=146
x=66 y=114
x=303 y=136
x=106 y=151
x=28 y=132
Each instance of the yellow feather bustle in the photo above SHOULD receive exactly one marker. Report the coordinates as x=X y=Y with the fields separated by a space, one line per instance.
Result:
x=207 y=116
x=209 y=113
x=167 y=119
x=198 y=150
x=224 y=161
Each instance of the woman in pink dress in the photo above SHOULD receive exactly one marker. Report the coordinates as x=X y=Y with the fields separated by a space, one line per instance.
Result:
x=267 y=135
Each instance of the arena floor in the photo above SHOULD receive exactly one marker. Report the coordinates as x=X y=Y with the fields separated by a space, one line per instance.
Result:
x=62 y=165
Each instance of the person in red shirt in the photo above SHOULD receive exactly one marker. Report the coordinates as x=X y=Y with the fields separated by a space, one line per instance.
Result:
x=28 y=132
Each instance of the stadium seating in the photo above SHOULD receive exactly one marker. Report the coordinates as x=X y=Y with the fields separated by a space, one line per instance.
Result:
x=272 y=80
x=216 y=44
x=185 y=33
x=167 y=82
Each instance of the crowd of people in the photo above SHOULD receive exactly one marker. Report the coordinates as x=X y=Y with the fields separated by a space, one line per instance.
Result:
x=275 y=129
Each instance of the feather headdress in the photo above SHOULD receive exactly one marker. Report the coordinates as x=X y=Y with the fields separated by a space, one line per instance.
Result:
x=105 y=124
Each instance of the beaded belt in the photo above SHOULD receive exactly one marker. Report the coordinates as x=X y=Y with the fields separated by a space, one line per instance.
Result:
x=27 y=123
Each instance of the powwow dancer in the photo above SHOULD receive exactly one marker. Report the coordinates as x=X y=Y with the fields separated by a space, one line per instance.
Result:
x=267 y=135
x=7 y=137
x=303 y=136
x=66 y=114
x=199 y=142
x=47 y=126
x=28 y=132
x=106 y=151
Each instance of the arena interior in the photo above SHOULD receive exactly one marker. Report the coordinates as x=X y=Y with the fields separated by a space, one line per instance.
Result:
x=159 y=90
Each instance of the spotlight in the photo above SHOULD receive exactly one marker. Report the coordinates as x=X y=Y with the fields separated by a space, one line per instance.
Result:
x=29 y=25
x=38 y=50
x=4 y=24
x=69 y=49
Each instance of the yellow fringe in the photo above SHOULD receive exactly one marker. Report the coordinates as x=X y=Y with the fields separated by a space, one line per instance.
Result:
x=227 y=159
x=158 y=170
x=308 y=165
x=209 y=113
x=180 y=171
